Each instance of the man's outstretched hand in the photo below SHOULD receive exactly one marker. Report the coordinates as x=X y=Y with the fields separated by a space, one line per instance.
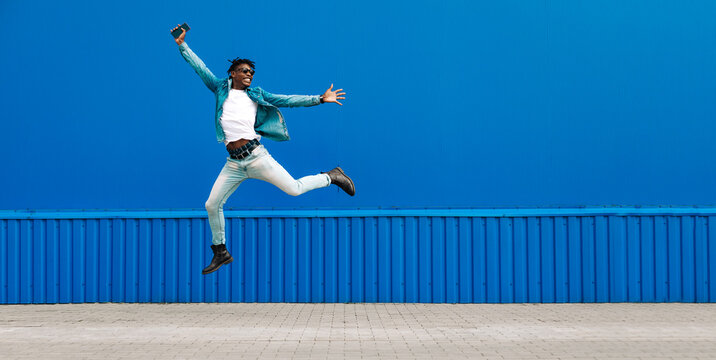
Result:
x=330 y=95
x=180 y=39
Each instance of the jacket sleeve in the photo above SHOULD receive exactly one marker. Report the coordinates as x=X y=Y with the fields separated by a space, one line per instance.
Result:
x=290 y=100
x=211 y=81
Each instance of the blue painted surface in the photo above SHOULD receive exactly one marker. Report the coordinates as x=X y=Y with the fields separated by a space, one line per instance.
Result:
x=399 y=258
x=543 y=111
x=537 y=103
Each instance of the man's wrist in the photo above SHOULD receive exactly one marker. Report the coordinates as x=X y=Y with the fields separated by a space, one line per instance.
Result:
x=320 y=97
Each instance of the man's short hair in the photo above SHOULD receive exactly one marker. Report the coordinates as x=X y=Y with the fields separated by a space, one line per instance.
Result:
x=238 y=61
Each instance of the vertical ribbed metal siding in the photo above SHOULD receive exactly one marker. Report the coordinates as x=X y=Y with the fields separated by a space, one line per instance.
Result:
x=362 y=259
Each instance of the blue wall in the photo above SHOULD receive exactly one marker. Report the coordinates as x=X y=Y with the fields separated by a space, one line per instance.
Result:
x=457 y=103
x=441 y=256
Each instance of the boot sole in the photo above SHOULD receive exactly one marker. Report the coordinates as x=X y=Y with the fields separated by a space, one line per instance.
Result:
x=219 y=267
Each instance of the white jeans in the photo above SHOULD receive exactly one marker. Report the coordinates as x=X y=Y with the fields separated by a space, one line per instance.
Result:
x=259 y=165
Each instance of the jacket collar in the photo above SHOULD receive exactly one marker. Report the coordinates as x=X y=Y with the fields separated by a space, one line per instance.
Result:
x=229 y=83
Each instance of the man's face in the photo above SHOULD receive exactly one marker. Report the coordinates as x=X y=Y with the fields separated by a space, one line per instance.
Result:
x=242 y=75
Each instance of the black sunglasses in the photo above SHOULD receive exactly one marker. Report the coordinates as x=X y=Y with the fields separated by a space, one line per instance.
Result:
x=246 y=71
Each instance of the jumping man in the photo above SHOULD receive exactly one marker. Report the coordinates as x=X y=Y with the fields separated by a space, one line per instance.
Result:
x=243 y=115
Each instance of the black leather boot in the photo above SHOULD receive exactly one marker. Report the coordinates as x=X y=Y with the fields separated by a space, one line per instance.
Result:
x=339 y=178
x=221 y=257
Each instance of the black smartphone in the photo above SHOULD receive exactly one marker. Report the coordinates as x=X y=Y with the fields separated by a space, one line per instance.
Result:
x=176 y=33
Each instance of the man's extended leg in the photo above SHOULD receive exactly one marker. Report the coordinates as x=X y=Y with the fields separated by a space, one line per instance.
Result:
x=226 y=183
x=267 y=169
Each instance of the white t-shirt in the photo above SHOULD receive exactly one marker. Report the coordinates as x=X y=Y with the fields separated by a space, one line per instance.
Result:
x=238 y=117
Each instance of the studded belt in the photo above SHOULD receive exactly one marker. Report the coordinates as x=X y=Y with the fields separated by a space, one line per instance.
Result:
x=245 y=150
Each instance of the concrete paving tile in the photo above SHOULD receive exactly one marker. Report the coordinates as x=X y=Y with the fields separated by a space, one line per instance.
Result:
x=507 y=331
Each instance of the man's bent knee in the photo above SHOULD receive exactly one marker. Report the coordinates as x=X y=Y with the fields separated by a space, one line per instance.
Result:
x=293 y=191
x=211 y=206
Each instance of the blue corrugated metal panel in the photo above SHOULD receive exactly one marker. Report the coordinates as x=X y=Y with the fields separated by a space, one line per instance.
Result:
x=710 y=259
x=454 y=259
x=368 y=212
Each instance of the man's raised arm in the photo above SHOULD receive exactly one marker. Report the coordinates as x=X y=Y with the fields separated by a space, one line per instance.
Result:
x=209 y=79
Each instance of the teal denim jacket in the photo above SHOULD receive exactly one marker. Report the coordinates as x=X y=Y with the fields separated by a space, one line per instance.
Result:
x=269 y=120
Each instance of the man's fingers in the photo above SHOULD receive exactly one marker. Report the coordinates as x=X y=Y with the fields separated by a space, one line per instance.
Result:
x=331 y=88
x=337 y=93
x=339 y=90
x=339 y=103
x=341 y=97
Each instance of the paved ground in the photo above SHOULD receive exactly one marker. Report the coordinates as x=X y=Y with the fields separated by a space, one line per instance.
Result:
x=331 y=331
